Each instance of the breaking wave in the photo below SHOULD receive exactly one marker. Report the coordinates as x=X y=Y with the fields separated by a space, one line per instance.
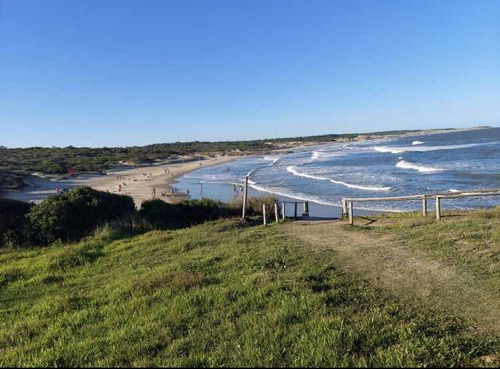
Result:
x=417 y=148
x=293 y=169
x=422 y=169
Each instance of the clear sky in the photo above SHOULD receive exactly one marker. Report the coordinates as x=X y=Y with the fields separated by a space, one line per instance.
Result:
x=118 y=72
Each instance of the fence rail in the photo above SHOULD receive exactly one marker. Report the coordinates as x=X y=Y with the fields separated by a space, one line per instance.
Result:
x=348 y=207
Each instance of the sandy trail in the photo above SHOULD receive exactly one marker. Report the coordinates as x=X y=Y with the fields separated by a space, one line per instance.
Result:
x=138 y=182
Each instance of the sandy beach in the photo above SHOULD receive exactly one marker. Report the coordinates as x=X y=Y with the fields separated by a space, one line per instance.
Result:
x=139 y=182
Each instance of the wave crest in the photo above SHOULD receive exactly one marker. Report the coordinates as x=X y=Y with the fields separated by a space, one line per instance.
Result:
x=420 y=168
x=418 y=148
x=293 y=169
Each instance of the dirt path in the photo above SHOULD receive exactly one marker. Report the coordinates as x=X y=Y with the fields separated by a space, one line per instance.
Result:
x=408 y=274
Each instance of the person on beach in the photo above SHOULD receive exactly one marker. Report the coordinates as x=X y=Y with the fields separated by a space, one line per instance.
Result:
x=153 y=192
x=119 y=187
x=187 y=191
x=234 y=187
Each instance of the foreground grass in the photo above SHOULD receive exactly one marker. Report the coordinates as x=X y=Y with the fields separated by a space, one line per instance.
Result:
x=219 y=294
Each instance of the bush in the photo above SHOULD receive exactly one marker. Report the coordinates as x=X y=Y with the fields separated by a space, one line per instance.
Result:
x=76 y=213
x=13 y=222
x=160 y=215
x=254 y=205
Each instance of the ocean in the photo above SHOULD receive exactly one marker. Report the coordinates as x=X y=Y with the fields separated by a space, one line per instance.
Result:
x=420 y=164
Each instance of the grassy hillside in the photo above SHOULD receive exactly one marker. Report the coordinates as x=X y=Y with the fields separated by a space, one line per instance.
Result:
x=218 y=294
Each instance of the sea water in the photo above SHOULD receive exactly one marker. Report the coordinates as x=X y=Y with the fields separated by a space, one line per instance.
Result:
x=424 y=164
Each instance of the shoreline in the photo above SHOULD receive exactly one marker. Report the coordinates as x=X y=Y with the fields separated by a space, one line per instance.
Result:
x=139 y=182
x=136 y=182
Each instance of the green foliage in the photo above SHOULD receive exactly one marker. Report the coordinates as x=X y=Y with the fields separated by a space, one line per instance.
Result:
x=161 y=215
x=58 y=160
x=74 y=214
x=218 y=294
x=13 y=223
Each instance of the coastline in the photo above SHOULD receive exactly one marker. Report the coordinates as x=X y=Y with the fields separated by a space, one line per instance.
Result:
x=138 y=182
x=132 y=179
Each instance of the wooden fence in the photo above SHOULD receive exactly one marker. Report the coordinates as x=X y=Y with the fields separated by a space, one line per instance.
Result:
x=348 y=203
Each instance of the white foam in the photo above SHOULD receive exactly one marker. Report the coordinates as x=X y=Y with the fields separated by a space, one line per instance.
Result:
x=300 y=197
x=414 y=143
x=418 y=148
x=453 y=190
x=317 y=200
x=388 y=149
x=293 y=169
x=251 y=172
x=272 y=159
x=408 y=165
x=315 y=155
x=326 y=154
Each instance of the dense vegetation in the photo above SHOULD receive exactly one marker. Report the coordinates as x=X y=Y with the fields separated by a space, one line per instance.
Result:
x=223 y=293
x=59 y=160
x=77 y=213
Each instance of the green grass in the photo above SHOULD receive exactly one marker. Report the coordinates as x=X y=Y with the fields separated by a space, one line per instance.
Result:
x=467 y=240
x=218 y=294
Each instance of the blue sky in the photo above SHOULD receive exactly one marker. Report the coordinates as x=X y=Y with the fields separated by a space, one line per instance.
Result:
x=117 y=72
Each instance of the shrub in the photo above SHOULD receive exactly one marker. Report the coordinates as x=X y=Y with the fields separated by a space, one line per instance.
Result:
x=254 y=205
x=13 y=222
x=160 y=215
x=76 y=213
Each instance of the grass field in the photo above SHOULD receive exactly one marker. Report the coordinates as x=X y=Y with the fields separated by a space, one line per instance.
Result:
x=230 y=294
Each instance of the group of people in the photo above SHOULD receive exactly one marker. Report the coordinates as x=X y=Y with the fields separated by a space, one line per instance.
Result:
x=235 y=188
x=147 y=175
x=162 y=193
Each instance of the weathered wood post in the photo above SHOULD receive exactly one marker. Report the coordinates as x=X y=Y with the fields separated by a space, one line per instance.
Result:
x=264 y=214
x=276 y=214
x=438 y=207
x=305 y=213
x=344 y=208
x=351 y=215
x=245 y=198
x=283 y=210
x=295 y=211
x=201 y=187
x=424 y=206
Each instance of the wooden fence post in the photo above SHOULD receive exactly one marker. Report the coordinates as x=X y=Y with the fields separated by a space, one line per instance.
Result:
x=283 y=210
x=276 y=215
x=344 y=208
x=306 y=209
x=245 y=198
x=351 y=215
x=264 y=214
x=295 y=211
x=438 y=207
x=424 y=206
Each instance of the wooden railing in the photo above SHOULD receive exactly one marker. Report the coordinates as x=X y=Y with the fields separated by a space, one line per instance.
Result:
x=348 y=207
x=305 y=211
